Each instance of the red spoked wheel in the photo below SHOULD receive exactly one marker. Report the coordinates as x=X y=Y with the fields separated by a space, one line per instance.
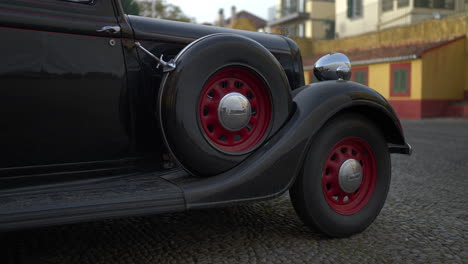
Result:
x=356 y=156
x=227 y=81
x=345 y=178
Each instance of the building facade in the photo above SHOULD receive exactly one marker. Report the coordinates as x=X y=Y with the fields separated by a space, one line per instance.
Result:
x=420 y=80
x=354 y=17
x=314 y=19
x=241 y=20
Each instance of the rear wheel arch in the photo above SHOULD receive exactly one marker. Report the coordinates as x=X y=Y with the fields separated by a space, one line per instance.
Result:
x=376 y=115
x=390 y=128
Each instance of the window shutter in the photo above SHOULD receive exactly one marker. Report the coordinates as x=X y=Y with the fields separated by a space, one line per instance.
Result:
x=400 y=80
x=350 y=8
x=360 y=77
x=396 y=80
x=404 y=80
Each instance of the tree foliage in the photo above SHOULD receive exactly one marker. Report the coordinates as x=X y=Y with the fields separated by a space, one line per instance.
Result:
x=131 y=7
x=163 y=10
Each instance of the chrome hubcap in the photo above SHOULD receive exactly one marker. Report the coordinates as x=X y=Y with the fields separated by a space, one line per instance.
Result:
x=350 y=175
x=234 y=111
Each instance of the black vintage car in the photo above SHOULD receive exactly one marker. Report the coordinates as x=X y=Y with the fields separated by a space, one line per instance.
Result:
x=104 y=115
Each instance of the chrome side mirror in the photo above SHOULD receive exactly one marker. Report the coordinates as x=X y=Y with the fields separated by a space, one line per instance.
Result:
x=333 y=66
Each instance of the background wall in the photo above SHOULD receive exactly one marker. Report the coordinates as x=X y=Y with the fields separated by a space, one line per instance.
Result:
x=445 y=68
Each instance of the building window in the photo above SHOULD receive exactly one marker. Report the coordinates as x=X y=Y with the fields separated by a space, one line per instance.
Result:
x=292 y=6
x=329 y=27
x=301 y=30
x=354 y=8
x=301 y=6
x=400 y=79
x=439 y=4
x=294 y=30
x=360 y=75
x=402 y=3
x=387 y=5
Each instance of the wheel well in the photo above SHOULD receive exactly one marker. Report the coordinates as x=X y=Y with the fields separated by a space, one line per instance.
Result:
x=391 y=131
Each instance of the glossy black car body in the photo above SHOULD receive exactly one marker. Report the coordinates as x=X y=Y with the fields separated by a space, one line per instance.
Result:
x=80 y=138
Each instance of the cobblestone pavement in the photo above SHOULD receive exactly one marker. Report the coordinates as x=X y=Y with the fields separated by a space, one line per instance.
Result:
x=423 y=221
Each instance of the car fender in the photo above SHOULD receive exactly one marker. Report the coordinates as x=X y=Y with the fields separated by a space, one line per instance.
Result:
x=324 y=100
x=272 y=168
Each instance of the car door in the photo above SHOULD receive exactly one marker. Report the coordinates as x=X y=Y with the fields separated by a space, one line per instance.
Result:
x=63 y=92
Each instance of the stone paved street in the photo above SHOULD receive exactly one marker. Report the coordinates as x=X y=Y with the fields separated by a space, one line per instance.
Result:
x=425 y=220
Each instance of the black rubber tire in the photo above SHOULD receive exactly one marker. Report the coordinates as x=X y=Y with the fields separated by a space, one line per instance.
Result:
x=181 y=89
x=307 y=194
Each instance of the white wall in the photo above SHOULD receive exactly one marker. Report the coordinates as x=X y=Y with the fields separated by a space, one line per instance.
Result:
x=345 y=27
x=374 y=19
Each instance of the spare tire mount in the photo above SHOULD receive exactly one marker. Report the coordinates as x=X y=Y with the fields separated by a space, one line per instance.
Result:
x=215 y=74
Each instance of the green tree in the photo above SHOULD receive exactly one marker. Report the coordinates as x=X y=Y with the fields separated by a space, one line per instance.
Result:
x=131 y=7
x=163 y=10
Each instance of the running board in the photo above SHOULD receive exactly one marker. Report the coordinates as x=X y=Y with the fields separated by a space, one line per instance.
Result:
x=124 y=195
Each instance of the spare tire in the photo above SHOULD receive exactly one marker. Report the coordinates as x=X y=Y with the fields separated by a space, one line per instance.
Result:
x=198 y=100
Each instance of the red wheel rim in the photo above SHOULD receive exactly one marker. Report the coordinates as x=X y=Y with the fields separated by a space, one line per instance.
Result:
x=339 y=200
x=247 y=83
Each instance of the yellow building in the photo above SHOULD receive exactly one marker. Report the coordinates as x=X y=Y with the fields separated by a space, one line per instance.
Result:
x=314 y=19
x=420 y=80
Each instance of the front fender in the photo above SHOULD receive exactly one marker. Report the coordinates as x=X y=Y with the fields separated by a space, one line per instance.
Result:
x=272 y=168
x=324 y=100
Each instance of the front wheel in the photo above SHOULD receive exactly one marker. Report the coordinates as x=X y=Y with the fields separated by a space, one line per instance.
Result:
x=345 y=177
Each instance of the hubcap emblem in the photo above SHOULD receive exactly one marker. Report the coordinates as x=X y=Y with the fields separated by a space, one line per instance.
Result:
x=350 y=175
x=234 y=111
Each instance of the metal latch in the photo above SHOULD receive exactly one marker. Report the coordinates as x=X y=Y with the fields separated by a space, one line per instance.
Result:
x=110 y=29
x=167 y=65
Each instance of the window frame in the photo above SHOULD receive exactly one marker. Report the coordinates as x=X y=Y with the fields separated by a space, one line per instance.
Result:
x=351 y=12
x=396 y=66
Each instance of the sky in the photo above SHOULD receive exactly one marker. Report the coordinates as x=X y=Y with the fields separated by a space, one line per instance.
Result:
x=207 y=10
